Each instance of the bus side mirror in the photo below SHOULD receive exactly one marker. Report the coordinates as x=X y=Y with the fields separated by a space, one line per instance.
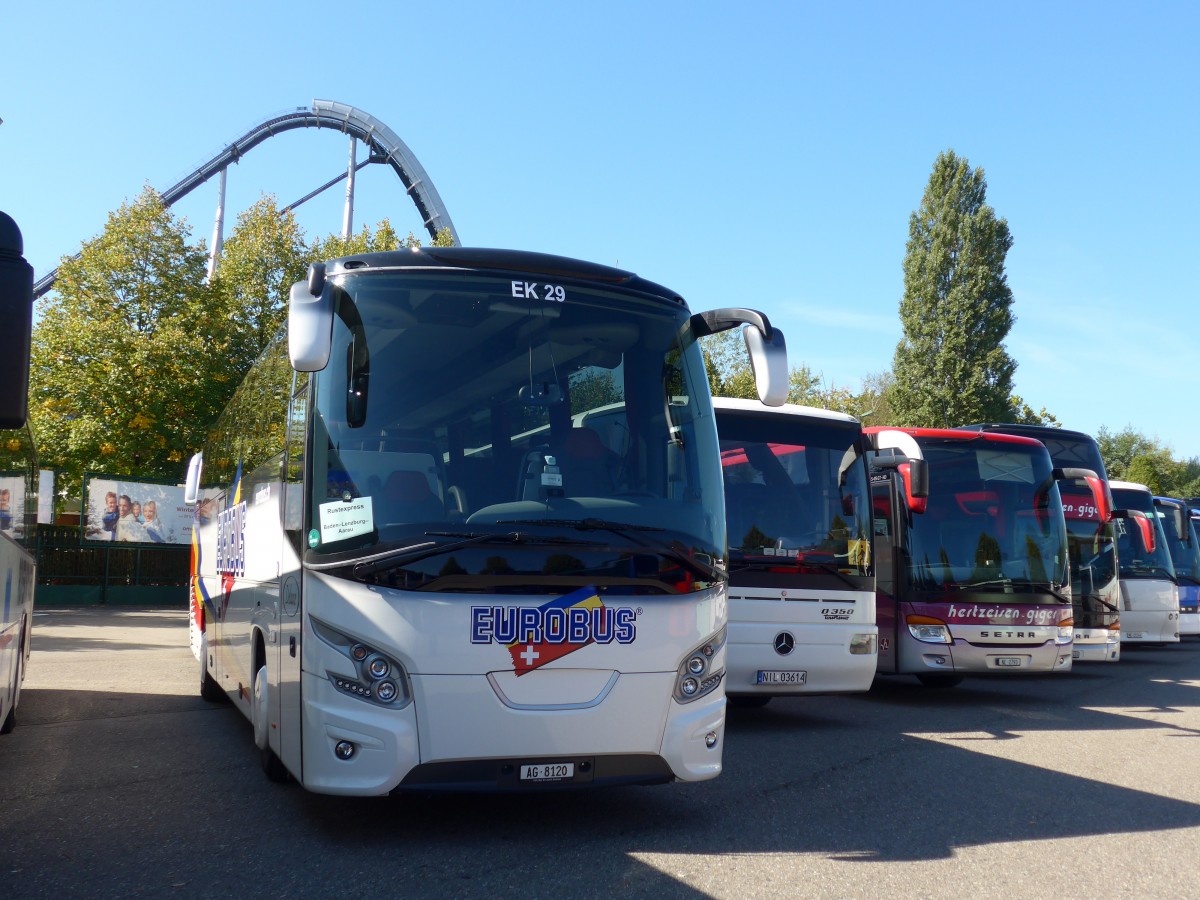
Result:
x=310 y=322
x=16 y=312
x=915 y=476
x=1094 y=483
x=1179 y=517
x=768 y=360
x=764 y=344
x=1145 y=526
x=191 y=486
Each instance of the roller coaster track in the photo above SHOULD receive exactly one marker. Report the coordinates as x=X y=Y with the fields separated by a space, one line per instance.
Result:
x=384 y=145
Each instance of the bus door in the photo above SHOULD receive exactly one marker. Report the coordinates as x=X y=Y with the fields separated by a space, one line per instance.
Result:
x=286 y=653
x=885 y=536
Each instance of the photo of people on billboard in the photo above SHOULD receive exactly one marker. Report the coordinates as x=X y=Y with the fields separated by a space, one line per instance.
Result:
x=137 y=512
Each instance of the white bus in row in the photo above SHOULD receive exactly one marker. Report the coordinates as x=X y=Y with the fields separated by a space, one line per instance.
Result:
x=18 y=514
x=415 y=569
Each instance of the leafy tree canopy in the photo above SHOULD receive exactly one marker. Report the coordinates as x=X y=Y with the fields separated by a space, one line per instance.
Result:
x=951 y=365
x=1130 y=455
x=131 y=356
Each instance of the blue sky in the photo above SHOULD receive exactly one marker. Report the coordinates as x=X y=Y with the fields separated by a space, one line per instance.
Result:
x=759 y=154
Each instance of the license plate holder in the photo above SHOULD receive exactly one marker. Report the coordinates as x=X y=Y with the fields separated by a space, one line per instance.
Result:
x=782 y=677
x=543 y=772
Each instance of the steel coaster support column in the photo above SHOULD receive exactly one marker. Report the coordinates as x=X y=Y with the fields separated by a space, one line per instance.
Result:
x=348 y=213
x=218 y=243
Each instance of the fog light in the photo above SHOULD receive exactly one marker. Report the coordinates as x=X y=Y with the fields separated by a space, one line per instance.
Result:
x=863 y=645
x=343 y=750
x=386 y=691
x=689 y=686
x=378 y=667
x=710 y=740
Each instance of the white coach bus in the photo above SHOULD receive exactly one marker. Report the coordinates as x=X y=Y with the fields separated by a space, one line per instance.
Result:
x=801 y=577
x=18 y=515
x=414 y=569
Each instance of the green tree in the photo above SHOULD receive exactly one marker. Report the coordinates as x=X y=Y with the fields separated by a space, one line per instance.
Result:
x=1130 y=455
x=131 y=355
x=1021 y=412
x=383 y=237
x=951 y=366
x=263 y=257
x=730 y=375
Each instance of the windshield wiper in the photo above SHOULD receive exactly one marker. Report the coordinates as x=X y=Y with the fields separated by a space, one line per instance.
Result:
x=832 y=568
x=625 y=530
x=400 y=556
x=1016 y=587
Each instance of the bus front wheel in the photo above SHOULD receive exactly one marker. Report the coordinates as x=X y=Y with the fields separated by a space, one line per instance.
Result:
x=272 y=767
x=940 y=681
x=748 y=701
x=209 y=689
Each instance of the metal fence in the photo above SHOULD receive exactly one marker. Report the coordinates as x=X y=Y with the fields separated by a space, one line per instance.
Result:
x=71 y=572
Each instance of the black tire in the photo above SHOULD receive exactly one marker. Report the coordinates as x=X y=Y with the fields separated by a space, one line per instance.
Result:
x=748 y=701
x=272 y=766
x=10 y=721
x=940 y=682
x=209 y=689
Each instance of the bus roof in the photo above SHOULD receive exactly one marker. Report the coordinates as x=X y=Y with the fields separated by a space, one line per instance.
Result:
x=499 y=262
x=734 y=404
x=959 y=434
x=1128 y=486
x=1034 y=431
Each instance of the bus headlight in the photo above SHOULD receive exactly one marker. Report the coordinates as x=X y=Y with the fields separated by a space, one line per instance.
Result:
x=929 y=630
x=697 y=674
x=377 y=678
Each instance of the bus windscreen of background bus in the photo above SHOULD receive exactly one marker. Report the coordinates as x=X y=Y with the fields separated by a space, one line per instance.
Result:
x=1149 y=591
x=1180 y=529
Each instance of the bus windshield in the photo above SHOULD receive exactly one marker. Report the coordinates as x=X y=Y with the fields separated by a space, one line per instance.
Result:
x=1135 y=559
x=1093 y=550
x=993 y=521
x=792 y=504
x=1184 y=556
x=476 y=433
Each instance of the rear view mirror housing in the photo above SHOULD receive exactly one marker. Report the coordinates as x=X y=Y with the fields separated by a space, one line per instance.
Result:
x=191 y=485
x=1145 y=528
x=765 y=345
x=310 y=322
